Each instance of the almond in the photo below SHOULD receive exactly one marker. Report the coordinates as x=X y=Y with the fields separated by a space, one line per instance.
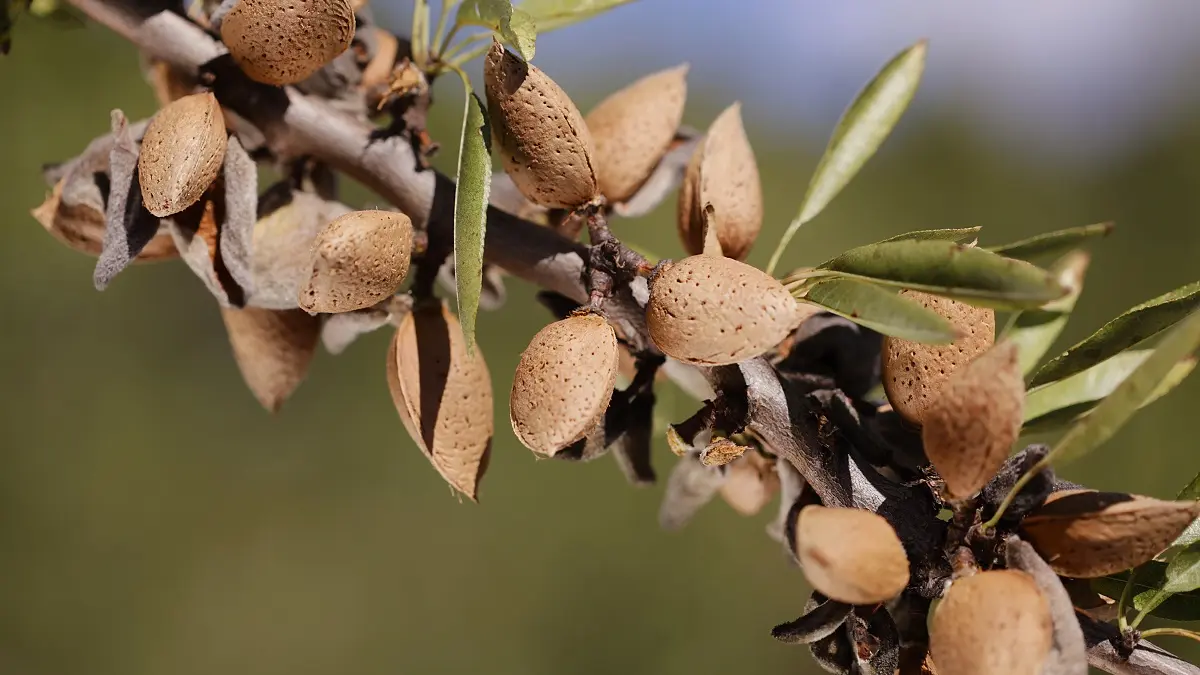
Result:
x=181 y=155
x=443 y=395
x=711 y=311
x=564 y=382
x=544 y=143
x=358 y=260
x=1086 y=534
x=272 y=348
x=850 y=555
x=992 y=623
x=724 y=173
x=285 y=41
x=633 y=128
x=750 y=484
x=975 y=419
x=81 y=227
x=914 y=372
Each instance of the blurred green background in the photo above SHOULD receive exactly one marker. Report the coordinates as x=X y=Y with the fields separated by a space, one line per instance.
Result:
x=153 y=519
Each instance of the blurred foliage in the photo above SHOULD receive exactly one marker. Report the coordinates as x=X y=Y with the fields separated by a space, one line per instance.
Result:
x=153 y=519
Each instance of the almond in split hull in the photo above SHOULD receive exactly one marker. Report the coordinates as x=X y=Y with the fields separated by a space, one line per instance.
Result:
x=443 y=395
x=633 y=128
x=273 y=349
x=285 y=41
x=992 y=623
x=975 y=419
x=543 y=141
x=723 y=172
x=711 y=311
x=181 y=153
x=1086 y=534
x=359 y=259
x=563 y=383
x=850 y=555
x=80 y=226
x=913 y=372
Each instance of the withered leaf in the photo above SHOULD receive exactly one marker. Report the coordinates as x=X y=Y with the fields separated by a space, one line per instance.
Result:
x=73 y=214
x=791 y=486
x=816 y=623
x=196 y=231
x=632 y=447
x=241 y=204
x=689 y=487
x=1068 y=652
x=273 y=349
x=721 y=451
x=129 y=227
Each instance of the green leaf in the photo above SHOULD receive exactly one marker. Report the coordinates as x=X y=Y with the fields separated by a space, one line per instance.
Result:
x=1183 y=572
x=554 y=14
x=1131 y=328
x=881 y=309
x=1035 y=330
x=1051 y=244
x=516 y=27
x=1114 y=411
x=1149 y=579
x=965 y=273
x=860 y=132
x=420 y=30
x=1192 y=534
x=1060 y=403
x=961 y=235
x=470 y=210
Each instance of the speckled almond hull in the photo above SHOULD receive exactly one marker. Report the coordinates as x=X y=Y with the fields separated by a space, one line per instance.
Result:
x=359 y=259
x=850 y=555
x=993 y=623
x=181 y=153
x=283 y=42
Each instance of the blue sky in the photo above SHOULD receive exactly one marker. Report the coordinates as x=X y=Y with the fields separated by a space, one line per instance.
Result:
x=1071 y=80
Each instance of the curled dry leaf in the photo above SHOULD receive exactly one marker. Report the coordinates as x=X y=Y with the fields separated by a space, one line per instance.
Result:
x=721 y=451
x=284 y=42
x=713 y=311
x=850 y=555
x=181 y=153
x=563 y=383
x=633 y=128
x=1086 y=534
x=975 y=419
x=443 y=395
x=357 y=260
x=272 y=348
x=543 y=141
x=282 y=247
x=723 y=173
x=914 y=372
x=992 y=623
x=751 y=483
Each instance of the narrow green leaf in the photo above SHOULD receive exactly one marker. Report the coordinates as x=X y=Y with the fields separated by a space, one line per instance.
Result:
x=1051 y=244
x=1147 y=593
x=880 y=309
x=1035 y=330
x=1192 y=534
x=1183 y=572
x=1060 y=403
x=961 y=235
x=966 y=273
x=470 y=210
x=1114 y=411
x=1131 y=328
x=517 y=28
x=860 y=132
x=420 y=30
x=554 y=14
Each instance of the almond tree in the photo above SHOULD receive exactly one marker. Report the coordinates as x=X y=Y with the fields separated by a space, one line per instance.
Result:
x=873 y=393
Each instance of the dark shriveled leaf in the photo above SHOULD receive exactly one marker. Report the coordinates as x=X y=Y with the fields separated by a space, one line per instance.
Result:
x=816 y=624
x=128 y=225
x=965 y=273
x=1136 y=325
